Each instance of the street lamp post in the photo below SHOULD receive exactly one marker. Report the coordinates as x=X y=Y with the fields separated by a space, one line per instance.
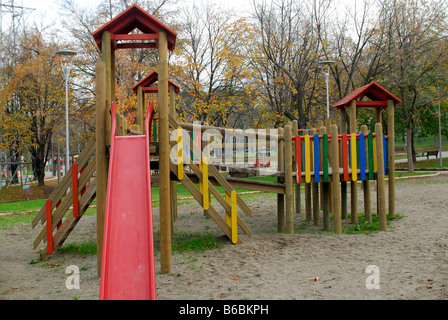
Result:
x=66 y=76
x=440 y=122
x=327 y=77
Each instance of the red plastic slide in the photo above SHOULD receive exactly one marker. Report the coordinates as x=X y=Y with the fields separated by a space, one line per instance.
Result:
x=127 y=269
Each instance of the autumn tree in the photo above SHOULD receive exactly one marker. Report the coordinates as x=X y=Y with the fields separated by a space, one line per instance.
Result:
x=213 y=66
x=31 y=100
x=414 y=52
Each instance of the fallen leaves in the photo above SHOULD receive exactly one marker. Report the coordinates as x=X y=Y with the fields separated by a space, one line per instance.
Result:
x=314 y=279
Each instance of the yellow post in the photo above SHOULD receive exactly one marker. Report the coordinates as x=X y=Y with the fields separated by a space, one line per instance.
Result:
x=353 y=155
x=180 y=158
x=233 y=217
x=205 y=192
x=307 y=159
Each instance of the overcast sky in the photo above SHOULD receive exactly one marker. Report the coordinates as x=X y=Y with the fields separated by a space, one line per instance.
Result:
x=51 y=7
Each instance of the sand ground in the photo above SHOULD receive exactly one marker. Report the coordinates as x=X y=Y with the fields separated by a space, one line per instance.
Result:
x=410 y=260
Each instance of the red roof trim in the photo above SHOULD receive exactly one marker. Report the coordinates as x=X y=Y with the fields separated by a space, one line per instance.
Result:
x=149 y=80
x=132 y=18
x=373 y=91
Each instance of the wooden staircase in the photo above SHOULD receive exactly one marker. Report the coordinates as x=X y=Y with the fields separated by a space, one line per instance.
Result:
x=224 y=223
x=61 y=201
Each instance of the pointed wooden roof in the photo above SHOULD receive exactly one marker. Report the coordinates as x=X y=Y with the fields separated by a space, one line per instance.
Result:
x=133 y=18
x=376 y=93
x=149 y=80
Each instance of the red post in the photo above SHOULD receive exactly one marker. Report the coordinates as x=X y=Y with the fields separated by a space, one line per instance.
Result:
x=345 y=155
x=75 y=190
x=49 y=215
x=298 y=159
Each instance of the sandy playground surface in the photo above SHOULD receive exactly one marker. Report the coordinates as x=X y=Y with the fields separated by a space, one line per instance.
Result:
x=411 y=258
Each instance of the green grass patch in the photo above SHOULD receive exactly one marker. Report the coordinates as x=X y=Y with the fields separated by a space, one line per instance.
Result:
x=12 y=219
x=399 y=174
x=82 y=249
x=195 y=242
x=363 y=226
x=22 y=206
x=425 y=164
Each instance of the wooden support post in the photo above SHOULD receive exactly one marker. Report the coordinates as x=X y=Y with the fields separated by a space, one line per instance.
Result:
x=164 y=156
x=381 y=194
x=366 y=182
x=281 y=197
x=391 y=173
x=107 y=58
x=378 y=117
x=314 y=185
x=173 y=184
x=289 y=189
x=353 y=184
x=101 y=158
x=295 y=128
x=140 y=108
x=335 y=179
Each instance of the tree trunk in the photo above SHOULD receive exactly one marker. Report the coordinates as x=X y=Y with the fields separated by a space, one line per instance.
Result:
x=14 y=167
x=409 y=148
x=39 y=171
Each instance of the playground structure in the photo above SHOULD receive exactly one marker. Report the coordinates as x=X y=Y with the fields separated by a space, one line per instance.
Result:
x=325 y=158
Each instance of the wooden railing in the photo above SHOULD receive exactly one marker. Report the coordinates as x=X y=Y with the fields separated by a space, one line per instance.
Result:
x=75 y=192
x=228 y=225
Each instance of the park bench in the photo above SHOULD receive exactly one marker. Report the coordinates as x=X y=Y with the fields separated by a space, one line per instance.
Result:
x=430 y=153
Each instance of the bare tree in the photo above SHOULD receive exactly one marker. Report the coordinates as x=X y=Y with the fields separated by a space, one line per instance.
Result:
x=416 y=46
x=287 y=57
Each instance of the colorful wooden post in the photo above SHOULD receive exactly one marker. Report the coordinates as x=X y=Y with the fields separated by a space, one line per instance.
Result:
x=353 y=183
x=336 y=179
x=205 y=189
x=307 y=169
x=314 y=183
x=296 y=145
x=381 y=193
x=366 y=182
x=343 y=130
x=325 y=186
x=289 y=192
x=233 y=217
